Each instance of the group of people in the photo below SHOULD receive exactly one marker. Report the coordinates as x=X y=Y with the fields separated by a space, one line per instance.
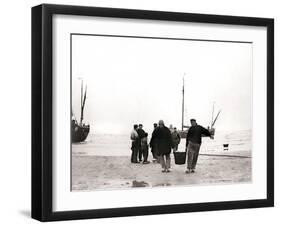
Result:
x=139 y=145
x=163 y=141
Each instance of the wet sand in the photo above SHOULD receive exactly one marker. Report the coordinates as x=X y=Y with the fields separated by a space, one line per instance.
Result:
x=115 y=172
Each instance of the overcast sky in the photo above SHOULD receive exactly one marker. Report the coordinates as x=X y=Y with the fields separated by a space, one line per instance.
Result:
x=134 y=80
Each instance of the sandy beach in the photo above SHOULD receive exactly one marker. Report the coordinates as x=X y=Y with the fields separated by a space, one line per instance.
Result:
x=115 y=172
x=103 y=162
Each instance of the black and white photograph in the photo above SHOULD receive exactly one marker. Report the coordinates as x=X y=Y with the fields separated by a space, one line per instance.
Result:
x=152 y=112
x=142 y=112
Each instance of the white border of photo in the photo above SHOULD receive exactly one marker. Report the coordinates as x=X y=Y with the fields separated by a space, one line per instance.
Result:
x=64 y=199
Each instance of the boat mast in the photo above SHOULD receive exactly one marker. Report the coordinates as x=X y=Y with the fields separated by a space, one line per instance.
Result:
x=182 y=111
x=81 y=104
x=216 y=119
x=213 y=114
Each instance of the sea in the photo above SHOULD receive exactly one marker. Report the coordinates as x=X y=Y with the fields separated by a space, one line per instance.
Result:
x=239 y=144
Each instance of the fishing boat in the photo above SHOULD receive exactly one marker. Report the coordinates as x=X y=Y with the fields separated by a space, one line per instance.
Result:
x=184 y=128
x=80 y=130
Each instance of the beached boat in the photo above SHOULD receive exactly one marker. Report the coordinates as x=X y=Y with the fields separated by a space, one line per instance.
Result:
x=80 y=130
x=184 y=128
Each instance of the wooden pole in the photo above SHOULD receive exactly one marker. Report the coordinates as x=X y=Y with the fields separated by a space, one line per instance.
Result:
x=182 y=114
x=213 y=115
x=216 y=118
x=81 y=117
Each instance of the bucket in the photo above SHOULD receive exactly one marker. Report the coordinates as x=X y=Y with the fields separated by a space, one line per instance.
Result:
x=180 y=157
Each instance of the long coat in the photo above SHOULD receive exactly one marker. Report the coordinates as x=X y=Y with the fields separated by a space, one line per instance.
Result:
x=164 y=140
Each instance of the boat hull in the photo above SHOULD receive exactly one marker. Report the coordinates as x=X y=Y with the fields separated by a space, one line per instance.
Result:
x=80 y=133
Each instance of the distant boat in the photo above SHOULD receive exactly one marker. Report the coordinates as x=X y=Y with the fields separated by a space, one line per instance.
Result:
x=184 y=128
x=80 y=130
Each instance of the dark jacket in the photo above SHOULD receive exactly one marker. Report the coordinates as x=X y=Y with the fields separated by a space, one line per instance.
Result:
x=195 y=133
x=141 y=133
x=164 y=140
x=153 y=141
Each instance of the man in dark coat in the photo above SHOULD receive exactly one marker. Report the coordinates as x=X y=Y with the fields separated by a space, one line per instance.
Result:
x=193 y=143
x=141 y=134
x=164 y=145
x=153 y=144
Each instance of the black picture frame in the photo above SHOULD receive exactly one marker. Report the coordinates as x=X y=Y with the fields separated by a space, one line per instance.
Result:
x=42 y=111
